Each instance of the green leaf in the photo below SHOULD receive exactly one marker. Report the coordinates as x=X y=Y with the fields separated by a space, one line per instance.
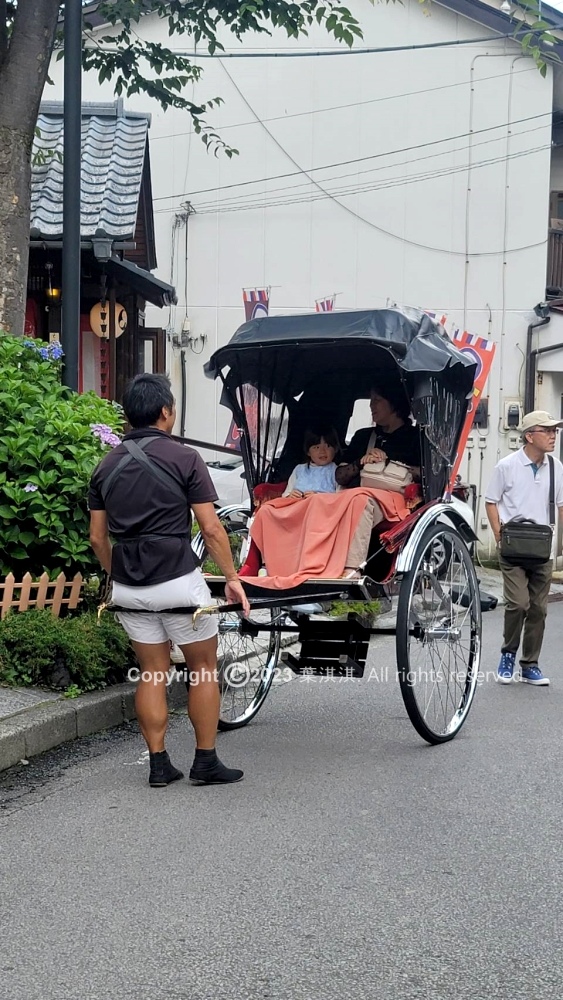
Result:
x=26 y=537
x=17 y=552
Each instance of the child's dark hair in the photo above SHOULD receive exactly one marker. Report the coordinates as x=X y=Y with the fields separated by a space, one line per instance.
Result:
x=313 y=436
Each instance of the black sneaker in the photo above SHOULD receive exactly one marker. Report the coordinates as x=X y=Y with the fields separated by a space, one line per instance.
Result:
x=207 y=769
x=162 y=771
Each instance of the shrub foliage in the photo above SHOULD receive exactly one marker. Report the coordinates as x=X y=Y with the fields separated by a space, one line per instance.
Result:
x=37 y=648
x=50 y=441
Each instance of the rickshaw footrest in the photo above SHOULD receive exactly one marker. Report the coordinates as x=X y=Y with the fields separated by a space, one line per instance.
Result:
x=341 y=665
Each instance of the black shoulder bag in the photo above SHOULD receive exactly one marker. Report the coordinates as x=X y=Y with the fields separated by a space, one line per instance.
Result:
x=525 y=543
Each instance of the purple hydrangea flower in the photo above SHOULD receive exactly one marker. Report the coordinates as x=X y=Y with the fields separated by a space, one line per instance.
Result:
x=30 y=488
x=105 y=434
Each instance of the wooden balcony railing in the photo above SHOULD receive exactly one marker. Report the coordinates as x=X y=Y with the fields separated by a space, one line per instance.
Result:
x=555 y=259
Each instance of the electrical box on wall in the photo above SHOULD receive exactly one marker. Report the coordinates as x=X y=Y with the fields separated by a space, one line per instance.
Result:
x=481 y=415
x=512 y=415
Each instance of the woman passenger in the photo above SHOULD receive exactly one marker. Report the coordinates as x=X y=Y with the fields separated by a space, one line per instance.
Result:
x=394 y=437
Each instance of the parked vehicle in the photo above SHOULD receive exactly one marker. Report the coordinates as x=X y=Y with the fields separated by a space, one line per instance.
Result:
x=229 y=479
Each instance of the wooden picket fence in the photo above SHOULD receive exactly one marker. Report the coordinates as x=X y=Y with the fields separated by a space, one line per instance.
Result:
x=41 y=593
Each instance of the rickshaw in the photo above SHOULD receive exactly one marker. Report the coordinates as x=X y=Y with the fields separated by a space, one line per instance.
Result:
x=279 y=373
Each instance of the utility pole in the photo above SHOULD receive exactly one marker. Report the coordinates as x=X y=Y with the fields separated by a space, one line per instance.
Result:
x=71 y=189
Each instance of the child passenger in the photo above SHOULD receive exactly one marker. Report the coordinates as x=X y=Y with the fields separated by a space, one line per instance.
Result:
x=318 y=473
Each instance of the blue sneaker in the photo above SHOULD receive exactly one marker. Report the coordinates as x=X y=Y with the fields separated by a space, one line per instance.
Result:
x=505 y=672
x=531 y=674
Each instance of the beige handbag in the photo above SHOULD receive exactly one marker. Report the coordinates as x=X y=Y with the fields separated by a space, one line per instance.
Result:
x=392 y=476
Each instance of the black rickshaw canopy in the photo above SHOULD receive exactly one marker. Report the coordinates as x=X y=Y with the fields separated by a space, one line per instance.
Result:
x=282 y=373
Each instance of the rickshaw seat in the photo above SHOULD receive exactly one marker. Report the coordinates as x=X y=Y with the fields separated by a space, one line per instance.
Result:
x=267 y=491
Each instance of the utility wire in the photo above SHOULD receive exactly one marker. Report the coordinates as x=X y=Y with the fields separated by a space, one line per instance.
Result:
x=240 y=198
x=350 y=191
x=341 y=163
x=367 y=222
x=353 y=104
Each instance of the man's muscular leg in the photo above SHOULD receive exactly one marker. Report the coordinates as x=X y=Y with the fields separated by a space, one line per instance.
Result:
x=203 y=710
x=203 y=691
x=152 y=709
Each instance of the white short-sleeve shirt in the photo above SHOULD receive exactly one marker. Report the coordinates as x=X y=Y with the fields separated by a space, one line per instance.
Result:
x=519 y=490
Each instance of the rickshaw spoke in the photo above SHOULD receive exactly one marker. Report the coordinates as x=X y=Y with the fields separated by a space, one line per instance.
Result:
x=443 y=697
x=431 y=696
x=435 y=687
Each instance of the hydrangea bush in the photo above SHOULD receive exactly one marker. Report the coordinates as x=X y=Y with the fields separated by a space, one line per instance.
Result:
x=50 y=441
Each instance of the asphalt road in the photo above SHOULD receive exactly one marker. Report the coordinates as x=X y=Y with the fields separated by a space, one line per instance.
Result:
x=353 y=861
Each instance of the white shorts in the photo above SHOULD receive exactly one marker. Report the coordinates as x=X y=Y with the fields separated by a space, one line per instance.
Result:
x=152 y=628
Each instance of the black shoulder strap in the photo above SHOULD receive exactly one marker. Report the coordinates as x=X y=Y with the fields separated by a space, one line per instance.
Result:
x=109 y=480
x=135 y=449
x=551 y=490
x=137 y=454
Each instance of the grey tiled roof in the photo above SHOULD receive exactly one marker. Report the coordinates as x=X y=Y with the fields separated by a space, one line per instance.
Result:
x=113 y=154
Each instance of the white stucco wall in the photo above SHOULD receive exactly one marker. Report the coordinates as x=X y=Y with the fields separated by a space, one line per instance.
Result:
x=467 y=242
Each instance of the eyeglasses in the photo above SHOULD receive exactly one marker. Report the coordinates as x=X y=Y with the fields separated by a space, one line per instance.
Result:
x=546 y=430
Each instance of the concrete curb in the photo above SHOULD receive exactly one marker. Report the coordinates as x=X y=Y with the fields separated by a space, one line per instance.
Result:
x=45 y=726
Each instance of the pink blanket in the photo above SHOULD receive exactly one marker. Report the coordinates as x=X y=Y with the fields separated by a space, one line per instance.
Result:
x=308 y=538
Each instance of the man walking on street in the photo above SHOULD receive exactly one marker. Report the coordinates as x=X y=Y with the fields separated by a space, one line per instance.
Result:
x=520 y=488
x=143 y=493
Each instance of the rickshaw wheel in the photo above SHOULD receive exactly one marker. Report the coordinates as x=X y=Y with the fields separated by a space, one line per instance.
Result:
x=439 y=635
x=246 y=661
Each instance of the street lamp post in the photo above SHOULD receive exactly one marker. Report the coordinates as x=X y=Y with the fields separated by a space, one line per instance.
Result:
x=71 y=189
